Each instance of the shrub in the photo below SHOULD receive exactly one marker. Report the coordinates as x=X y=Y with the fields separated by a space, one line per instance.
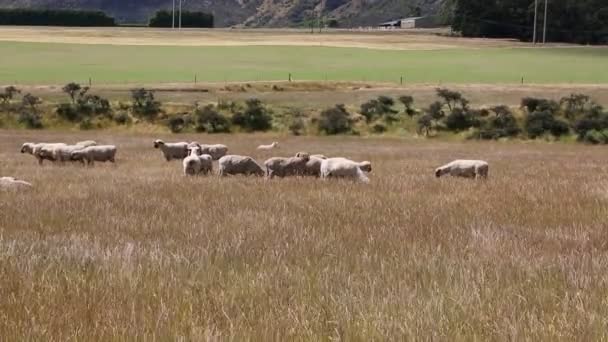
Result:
x=435 y=110
x=122 y=118
x=535 y=104
x=425 y=124
x=574 y=104
x=408 y=102
x=31 y=120
x=501 y=126
x=460 y=119
x=255 y=117
x=539 y=123
x=176 y=124
x=208 y=119
x=68 y=112
x=297 y=126
x=379 y=128
x=381 y=107
x=144 y=104
x=9 y=94
x=189 y=19
x=595 y=137
x=335 y=120
x=86 y=124
x=452 y=98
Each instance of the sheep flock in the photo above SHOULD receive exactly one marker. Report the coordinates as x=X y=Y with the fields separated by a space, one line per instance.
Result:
x=197 y=159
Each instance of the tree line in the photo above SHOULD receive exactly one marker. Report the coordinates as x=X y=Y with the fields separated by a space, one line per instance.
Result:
x=76 y=18
x=574 y=21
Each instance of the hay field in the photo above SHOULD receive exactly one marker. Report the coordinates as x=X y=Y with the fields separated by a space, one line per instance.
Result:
x=138 y=251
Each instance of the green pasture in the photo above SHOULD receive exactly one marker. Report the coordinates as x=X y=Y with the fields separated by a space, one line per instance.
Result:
x=49 y=63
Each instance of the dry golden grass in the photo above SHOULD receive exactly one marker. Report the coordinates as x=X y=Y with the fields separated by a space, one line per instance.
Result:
x=138 y=251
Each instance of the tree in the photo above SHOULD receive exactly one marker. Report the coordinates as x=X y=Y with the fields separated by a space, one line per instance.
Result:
x=72 y=89
x=31 y=101
x=144 y=103
x=425 y=124
x=9 y=94
x=574 y=104
x=335 y=120
x=451 y=98
x=381 y=107
x=408 y=102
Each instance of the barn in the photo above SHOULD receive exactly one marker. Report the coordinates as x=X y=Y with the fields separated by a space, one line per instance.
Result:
x=410 y=23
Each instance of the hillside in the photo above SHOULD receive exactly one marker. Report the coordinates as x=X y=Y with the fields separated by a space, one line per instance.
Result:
x=256 y=13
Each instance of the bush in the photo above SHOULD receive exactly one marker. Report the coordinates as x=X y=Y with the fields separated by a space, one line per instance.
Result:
x=144 y=104
x=189 y=19
x=452 y=98
x=595 y=137
x=122 y=118
x=208 y=119
x=335 y=120
x=459 y=120
x=408 y=102
x=539 y=105
x=255 y=117
x=176 y=124
x=86 y=124
x=31 y=120
x=381 y=107
x=67 y=112
x=539 y=123
x=60 y=17
x=379 y=128
x=435 y=110
x=501 y=126
x=297 y=126
x=425 y=124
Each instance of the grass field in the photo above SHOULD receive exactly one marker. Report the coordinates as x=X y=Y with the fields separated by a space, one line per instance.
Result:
x=138 y=251
x=44 y=63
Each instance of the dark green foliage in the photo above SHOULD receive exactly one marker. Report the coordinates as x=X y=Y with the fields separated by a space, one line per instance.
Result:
x=31 y=120
x=408 y=102
x=255 y=117
x=335 y=120
x=86 y=124
x=333 y=23
x=381 y=107
x=379 y=128
x=30 y=102
x=452 y=98
x=122 y=118
x=575 y=105
x=502 y=125
x=43 y=17
x=83 y=106
x=144 y=104
x=189 y=19
x=594 y=120
x=535 y=104
x=208 y=119
x=176 y=124
x=425 y=124
x=72 y=89
x=595 y=137
x=539 y=123
x=460 y=119
x=435 y=110
x=8 y=94
x=576 y=21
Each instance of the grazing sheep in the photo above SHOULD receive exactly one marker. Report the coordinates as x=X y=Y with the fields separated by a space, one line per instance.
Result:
x=92 y=154
x=234 y=164
x=86 y=143
x=268 y=147
x=196 y=163
x=345 y=168
x=60 y=153
x=10 y=183
x=172 y=151
x=464 y=168
x=313 y=165
x=36 y=148
x=216 y=151
x=284 y=167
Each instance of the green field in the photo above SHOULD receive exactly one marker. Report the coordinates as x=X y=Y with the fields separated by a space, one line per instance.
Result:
x=50 y=63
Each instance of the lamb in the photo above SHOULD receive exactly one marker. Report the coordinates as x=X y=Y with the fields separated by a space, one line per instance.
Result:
x=36 y=148
x=172 y=151
x=216 y=151
x=92 y=154
x=10 y=183
x=464 y=168
x=196 y=163
x=86 y=143
x=345 y=168
x=268 y=147
x=234 y=164
x=284 y=167
x=313 y=166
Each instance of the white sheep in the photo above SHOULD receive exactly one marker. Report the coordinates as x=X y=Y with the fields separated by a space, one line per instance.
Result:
x=196 y=163
x=86 y=143
x=234 y=164
x=464 y=168
x=59 y=153
x=36 y=148
x=10 y=183
x=216 y=151
x=91 y=154
x=268 y=147
x=313 y=165
x=284 y=167
x=172 y=151
x=345 y=168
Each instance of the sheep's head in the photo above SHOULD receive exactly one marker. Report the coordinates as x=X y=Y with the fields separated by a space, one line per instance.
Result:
x=77 y=155
x=365 y=166
x=27 y=147
x=158 y=143
x=438 y=172
x=304 y=155
x=275 y=144
x=194 y=150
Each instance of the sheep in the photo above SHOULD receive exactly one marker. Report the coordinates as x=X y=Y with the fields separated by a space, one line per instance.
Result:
x=196 y=163
x=313 y=165
x=10 y=183
x=59 y=153
x=234 y=164
x=172 y=151
x=345 y=168
x=36 y=148
x=464 y=168
x=92 y=154
x=216 y=151
x=268 y=147
x=86 y=143
x=284 y=167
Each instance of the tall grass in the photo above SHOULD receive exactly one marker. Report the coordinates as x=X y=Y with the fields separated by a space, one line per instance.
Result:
x=137 y=250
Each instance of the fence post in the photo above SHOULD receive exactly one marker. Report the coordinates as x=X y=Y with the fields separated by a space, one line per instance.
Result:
x=90 y=82
x=401 y=80
x=522 y=80
x=195 y=79
x=289 y=77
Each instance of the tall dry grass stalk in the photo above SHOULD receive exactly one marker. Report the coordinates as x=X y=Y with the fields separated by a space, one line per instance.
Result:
x=138 y=251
